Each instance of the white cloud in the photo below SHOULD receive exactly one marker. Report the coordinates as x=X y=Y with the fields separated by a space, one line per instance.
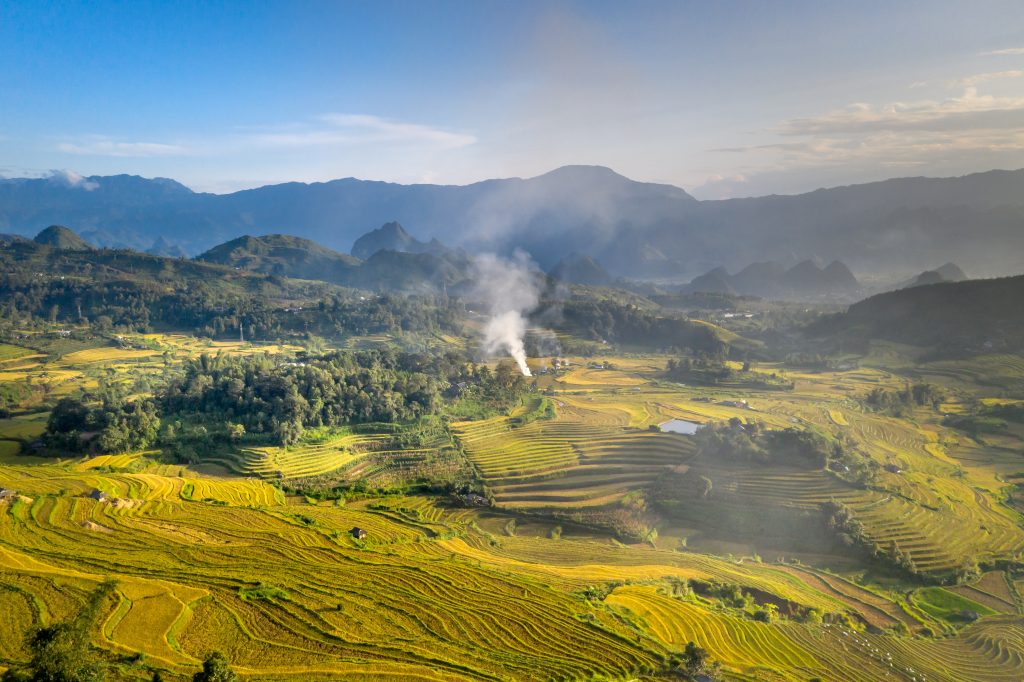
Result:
x=1007 y=52
x=71 y=179
x=380 y=129
x=969 y=130
x=329 y=130
x=968 y=112
x=976 y=79
x=352 y=129
x=97 y=145
x=718 y=186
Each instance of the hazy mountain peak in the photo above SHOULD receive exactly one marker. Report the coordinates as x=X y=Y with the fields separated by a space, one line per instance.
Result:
x=392 y=236
x=61 y=237
x=951 y=272
x=577 y=268
x=164 y=247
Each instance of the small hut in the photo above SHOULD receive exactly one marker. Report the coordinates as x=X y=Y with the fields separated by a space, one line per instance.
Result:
x=358 y=533
x=99 y=495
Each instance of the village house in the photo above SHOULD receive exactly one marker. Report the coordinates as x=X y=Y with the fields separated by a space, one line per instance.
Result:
x=358 y=533
x=474 y=500
x=99 y=495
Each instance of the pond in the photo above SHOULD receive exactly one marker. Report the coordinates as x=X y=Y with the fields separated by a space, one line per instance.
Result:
x=680 y=426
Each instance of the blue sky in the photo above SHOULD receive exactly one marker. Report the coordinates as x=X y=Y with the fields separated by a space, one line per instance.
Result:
x=721 y=98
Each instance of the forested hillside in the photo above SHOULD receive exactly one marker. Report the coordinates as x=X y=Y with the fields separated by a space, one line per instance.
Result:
x=963 y=318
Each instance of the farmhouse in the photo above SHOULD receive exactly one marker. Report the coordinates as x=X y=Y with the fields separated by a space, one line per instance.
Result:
x=474 y=500
x=7 y=495
x=358 y=533
x=99 y=495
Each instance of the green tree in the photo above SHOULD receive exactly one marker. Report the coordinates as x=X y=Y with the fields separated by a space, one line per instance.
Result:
x=216 y=668
x=696 y=660
x=61 y=652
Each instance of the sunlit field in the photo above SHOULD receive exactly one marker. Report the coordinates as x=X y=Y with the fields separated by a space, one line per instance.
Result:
x=573 y=573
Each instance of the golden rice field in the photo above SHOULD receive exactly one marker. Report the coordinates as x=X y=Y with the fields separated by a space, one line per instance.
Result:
x=9 y=353
x=304 y=460
x=992 y=650
x=567 y=462
x=597 y=451
x=101 y=355
x=442 y=592
x=426 y=596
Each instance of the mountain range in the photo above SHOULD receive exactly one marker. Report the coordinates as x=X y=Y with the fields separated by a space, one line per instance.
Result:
x=770 y=279
x=392 y=265
x=952 y=318
x=634 y=229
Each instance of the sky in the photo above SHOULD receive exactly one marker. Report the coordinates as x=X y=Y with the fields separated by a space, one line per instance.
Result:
x=722 y=98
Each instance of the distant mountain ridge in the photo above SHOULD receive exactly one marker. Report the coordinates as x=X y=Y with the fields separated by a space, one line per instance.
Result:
x=579 y=269
x=385 y=270
x=769 y=279
x=950 y=272
x=283 y=255
x=392 y=236
x=633 y=229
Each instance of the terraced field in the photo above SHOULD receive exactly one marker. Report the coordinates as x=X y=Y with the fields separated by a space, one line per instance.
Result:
x=303 y=460
x=565 y=462
x=425 y=596
x=358 y=613
x=990 y=651
x=595 y=453
x=938 y=538
x=9 y=353
x=439 y=591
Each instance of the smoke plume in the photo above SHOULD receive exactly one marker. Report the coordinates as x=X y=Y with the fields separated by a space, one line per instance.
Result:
x=510 y=289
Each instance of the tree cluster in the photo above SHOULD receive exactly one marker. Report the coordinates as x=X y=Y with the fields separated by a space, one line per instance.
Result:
x=108 y=422
x=899 y=403
x=61 y=651
x=840 y=519
x=281 y=399
x=625 y=323
x=122 y=290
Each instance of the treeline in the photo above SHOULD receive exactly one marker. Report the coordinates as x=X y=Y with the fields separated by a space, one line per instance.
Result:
x=134 y=292
x=107 y=422
x=709 y=370
x=899 y=403
x=751 y=442
x=263 y=396
x=611 y=321
x=850 y=532
x=220 y=400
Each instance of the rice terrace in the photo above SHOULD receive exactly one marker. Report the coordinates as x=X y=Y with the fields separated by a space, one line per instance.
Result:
x=332 y=347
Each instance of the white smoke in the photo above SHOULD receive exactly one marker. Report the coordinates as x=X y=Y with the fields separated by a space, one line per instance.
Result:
x=511 y=289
